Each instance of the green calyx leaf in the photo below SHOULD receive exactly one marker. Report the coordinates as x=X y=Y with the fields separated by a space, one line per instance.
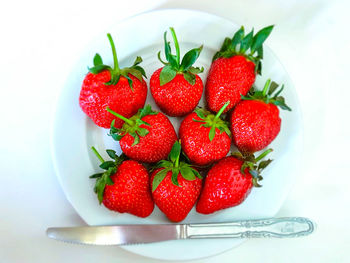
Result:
x=190 y=58
x=174 y=154
x=172 y=65
x=147 y=110
x=213 y=121
x=255 y=165
x=106 y=165
x=191 y=78
x=246 y=42
x=101 y=183
x=158 y=178
x=166 y=75
x=132 y=125
x=270 y=94
x=176 y=164
x=189 y=173
x=98 y=65
x=250 y=46
x=110 y=167
x=112 y=154
x=98 y=60
x=116 y=72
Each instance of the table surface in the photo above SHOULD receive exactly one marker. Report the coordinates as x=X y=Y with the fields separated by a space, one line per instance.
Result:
x=41 y=37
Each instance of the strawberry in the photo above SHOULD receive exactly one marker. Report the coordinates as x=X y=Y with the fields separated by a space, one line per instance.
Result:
x=124 y=187
x=255 y=121
x=230 y=181
x=148 y=136
x=123 y=90
x=176 y=186
x=176 y=87
x=233 y=70
x=205 y=138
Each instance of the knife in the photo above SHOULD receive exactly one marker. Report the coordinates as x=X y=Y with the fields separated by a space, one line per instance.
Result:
x=139 y=234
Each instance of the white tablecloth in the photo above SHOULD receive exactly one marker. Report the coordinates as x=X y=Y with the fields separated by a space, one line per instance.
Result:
x=40 y=38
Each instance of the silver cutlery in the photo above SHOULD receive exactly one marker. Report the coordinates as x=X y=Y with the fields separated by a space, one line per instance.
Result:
x=139 y=234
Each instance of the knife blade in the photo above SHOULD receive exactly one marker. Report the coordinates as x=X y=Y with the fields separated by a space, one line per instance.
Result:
x=138 y=234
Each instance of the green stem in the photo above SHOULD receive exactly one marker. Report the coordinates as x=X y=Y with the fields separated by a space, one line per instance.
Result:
x=115 y=58
x=176 y=46
x=177 y=161
x=221 y=110
x=261 y=156
x=120 y=116
x=266 y=87
x=97 y=154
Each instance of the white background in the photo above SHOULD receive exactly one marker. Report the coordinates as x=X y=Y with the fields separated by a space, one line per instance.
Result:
x=40 y=38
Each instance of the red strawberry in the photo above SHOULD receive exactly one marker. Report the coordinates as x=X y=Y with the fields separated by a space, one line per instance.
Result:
x=230 y=181
x=205 y=138
x=233 y=70
x=147 y=137
x=176 y=88
x=122 y=90
x=175 y=186
x=255 y=121
x=124 y=187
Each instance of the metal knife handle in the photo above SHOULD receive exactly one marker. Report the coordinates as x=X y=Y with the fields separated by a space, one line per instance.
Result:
x=272 y=227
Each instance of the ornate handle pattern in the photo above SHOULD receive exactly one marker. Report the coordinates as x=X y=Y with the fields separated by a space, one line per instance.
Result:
x=272 y=227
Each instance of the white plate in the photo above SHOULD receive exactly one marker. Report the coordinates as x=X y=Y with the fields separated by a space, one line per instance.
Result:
x=74 y=133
